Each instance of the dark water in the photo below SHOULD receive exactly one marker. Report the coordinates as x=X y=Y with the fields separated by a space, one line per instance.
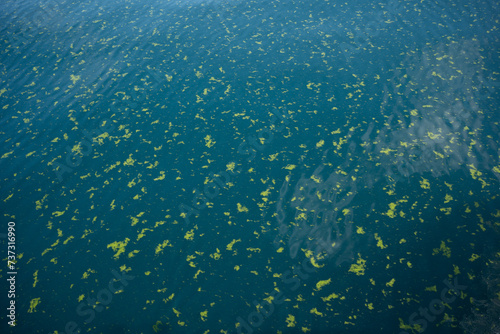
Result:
x=292 y=166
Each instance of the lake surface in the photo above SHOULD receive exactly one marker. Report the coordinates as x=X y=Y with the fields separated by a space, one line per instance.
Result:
x=250 y=166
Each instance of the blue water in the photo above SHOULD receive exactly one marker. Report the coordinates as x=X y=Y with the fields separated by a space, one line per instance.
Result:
x=250 y=167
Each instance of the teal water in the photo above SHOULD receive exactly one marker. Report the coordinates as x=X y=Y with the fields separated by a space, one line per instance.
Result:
x=250 y=167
